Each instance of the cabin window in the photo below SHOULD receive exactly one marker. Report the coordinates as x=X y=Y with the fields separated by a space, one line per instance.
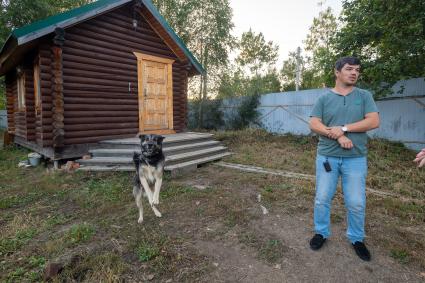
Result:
x=21 y=92
x=37 y=89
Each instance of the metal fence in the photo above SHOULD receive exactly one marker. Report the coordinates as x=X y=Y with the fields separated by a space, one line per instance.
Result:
x=3 y=119
x=402 y=114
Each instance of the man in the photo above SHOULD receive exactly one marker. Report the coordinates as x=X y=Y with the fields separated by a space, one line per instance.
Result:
x=342 y=117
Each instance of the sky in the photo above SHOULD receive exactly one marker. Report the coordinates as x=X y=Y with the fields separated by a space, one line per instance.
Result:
x=285 y=22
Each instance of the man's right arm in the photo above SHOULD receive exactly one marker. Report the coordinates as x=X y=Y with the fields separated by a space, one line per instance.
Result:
x=318 y=127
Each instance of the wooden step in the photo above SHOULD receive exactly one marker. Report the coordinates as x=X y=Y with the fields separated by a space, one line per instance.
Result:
x=171 y=159
x=128 y=152
x=167 y=168
x=170 y=140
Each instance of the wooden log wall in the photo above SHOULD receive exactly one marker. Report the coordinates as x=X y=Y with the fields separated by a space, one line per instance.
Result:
x=44 y=126
x=29 y=100
x=23 y=120
x=11 y=91
x=100 y=77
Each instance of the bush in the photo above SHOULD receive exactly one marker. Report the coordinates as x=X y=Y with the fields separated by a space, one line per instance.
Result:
x=212 y=114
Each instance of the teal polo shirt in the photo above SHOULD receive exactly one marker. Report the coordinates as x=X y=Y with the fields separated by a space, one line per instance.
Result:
x=338 y=110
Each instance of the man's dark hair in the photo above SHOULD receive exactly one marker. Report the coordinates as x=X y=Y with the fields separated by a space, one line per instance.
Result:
x=346 y=60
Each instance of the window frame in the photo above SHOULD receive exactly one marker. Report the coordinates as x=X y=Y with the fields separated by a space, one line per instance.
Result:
x=20 y=83
x=37 y=86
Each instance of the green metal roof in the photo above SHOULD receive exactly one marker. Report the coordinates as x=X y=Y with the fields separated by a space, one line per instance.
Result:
x=40 y=28
x=55 y=19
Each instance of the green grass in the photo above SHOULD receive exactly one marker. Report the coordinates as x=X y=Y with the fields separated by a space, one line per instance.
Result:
x=146 y=251
x=80 y=233
x=13 y=244
x=272 y=250
x=89 y=220
x=400 y=255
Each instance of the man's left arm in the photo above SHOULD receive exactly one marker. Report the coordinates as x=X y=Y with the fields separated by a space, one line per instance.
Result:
x=370 y=122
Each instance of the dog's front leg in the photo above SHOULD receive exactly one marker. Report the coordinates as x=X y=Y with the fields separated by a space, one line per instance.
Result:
x=138 y=197
x=158 y=184
x=148 y=190
x=149 y=194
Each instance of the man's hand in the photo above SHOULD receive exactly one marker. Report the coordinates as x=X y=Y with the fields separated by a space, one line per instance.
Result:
x=420 y=158
x=334 y=132
x=345 y=142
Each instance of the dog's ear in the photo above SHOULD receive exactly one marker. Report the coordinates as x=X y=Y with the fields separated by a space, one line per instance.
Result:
x=142 y=137
x=159 y=139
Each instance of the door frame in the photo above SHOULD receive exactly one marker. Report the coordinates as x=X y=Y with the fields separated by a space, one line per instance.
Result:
x=140 y=85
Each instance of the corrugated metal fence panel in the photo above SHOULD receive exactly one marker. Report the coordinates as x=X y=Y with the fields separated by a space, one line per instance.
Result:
x=402 y=118
x=288 y=112
x=3 y=119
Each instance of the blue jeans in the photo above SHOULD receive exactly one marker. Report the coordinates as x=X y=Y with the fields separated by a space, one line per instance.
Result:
x=353 y=171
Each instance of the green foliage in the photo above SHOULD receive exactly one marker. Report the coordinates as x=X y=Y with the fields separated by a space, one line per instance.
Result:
x=80 y=233
x=388 y=36
x=212 y=116
x=146 y=251
x=247 y=113
x=205 y=26
x=10 y=245
x=319 y=43
x=256 y=53
x=237 y=84
x=401 y=255
x=316 y=66
x=14 y=14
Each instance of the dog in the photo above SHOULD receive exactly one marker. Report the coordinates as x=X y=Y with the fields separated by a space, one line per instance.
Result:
x=149 y=165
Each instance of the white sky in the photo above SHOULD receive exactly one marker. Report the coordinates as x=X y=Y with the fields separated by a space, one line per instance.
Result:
x=285 y=22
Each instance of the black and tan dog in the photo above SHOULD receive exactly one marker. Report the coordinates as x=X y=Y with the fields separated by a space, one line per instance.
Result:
x=149 y=171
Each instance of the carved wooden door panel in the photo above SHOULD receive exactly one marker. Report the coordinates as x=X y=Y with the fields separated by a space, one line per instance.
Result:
x=155 y=94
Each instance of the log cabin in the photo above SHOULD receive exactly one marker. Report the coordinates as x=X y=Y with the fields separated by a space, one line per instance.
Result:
x=106 y=70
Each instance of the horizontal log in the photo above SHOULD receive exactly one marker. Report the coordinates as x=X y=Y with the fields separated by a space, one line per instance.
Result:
x=135 y=39
x=70 y=141
x=99 y=101
x=78 y=75
x=127 y=23
x=67 y=79
x=126 y=28
x=105 y=56
x=74 y=114
x=100 y=107
x=130 y=42
x=100 y=95
x=87 y=120
x=93 y=88
x=75 y=66
x=103 y=126
x=47 y=136
x=97 y=62
x=93 y=133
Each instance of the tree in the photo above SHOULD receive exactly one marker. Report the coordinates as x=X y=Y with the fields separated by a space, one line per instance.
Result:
x=388 y=36
x=206 y=27
x=256 y=53
x=319 y=43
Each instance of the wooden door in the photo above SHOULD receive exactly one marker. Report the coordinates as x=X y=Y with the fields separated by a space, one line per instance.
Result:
x=155 y=94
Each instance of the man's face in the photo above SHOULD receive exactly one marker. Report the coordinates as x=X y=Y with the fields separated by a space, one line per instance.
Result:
x=348 y=75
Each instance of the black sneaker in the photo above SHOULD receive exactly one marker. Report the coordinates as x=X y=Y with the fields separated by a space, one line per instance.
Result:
x=317 y=242
x=361 y=251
